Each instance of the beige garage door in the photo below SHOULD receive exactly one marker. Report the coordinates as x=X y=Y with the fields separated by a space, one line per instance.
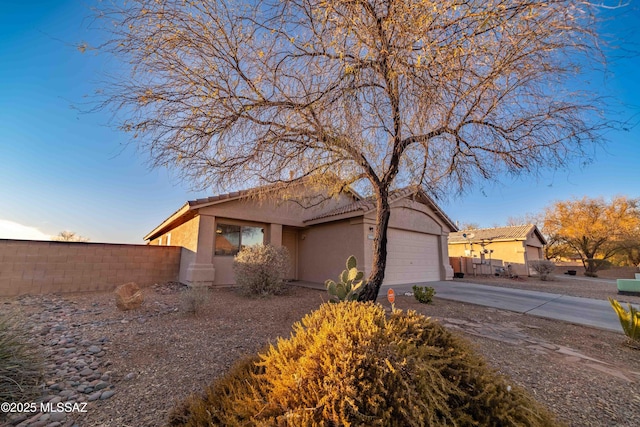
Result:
x=411 y=258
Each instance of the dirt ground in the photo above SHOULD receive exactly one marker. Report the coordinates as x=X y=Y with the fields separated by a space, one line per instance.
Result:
x=158 y=354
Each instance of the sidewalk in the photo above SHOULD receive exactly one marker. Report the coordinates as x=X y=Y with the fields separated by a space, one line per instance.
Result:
x=581 y=311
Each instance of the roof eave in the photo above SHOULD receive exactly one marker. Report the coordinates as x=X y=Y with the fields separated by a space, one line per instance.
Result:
x=331 y=218
x=179 y=213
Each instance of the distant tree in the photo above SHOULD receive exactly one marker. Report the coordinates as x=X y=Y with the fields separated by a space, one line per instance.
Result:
x=469 y=226
x=384 y=94
x=528 y=218
x=630 y=253
x=69 y=236
x=594 y=229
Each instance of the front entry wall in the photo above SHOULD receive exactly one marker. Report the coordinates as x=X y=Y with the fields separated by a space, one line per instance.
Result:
x=323 y=249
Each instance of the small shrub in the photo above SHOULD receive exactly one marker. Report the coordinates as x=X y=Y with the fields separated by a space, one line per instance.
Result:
x=630 y=321
x=193 y=299
x=21 y=363
x=543 y=267
x=261 y=270
x=350 y=364
x=423 y=294
x=349 y=285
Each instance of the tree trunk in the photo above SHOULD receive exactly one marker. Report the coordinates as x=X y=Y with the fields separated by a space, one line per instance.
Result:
x=374 y=281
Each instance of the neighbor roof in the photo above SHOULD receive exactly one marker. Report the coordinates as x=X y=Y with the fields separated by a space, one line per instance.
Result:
x=517 y=232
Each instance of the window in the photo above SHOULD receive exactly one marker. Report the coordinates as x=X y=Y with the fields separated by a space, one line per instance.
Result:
x=231 y=238
x=169 y=239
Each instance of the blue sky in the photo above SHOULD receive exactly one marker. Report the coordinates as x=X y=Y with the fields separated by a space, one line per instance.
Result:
x=64 y=170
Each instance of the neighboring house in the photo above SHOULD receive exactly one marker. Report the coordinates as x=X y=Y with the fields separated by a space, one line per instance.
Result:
x=319 y=234
x=516 y=246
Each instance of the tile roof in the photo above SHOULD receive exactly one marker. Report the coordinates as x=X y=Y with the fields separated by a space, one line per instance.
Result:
x=363 y=205
x=517 y=232
x=368 y=204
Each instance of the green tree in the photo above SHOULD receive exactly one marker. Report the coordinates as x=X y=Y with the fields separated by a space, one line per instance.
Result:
x=382 y=94
x=594 y=229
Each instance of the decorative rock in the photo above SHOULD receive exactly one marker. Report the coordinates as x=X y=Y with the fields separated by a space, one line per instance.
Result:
x=100 y=385
x=57 y=416
x=128 y=296
x=129 y=376
x=107 y=394
x=94 y=396
x=19 y=418
x=86 y=372
x=73 y=368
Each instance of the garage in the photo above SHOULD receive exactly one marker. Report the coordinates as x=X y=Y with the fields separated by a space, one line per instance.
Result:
x=412 y=257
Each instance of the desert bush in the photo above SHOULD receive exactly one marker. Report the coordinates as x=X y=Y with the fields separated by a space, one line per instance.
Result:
x=630 y=322
x=21 y=362
x=423 y=294
x=193 y=299
x=543 y=267
x=350 y=364
x=261 y=270
x=349 y=283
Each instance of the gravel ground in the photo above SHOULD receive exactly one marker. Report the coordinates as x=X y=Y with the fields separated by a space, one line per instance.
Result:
x=155 y=356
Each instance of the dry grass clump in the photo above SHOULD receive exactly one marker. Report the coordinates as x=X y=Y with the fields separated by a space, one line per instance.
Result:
x=194 y=299
x=350 y=364
x=21 y=362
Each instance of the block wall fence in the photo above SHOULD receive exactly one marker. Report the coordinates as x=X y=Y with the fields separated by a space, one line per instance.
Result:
x=41 y=267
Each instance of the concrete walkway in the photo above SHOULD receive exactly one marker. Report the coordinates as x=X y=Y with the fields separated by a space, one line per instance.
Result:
x=581 y=311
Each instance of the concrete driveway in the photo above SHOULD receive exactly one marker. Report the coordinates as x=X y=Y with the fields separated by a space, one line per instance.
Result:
x=581 y=311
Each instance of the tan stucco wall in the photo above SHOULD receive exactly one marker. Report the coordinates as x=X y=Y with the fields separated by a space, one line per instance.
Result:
x=272 y=215
x=39 y=267
x=533 y=240
x=185 y=235
x=412 y=216
x=270 y=211
x=323 y=249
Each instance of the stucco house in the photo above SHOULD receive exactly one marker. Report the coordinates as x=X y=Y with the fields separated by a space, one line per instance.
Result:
x=319 y=233
x=517 y=245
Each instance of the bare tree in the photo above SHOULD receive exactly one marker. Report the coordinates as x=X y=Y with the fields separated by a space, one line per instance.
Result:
x=383 y=94
x=69 y=236
x=469 y=226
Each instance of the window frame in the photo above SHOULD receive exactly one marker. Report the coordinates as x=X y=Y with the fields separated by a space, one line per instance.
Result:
x=241 y=226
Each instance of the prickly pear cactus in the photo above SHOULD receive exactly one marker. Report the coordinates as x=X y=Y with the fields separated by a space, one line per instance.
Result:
x=349 y=285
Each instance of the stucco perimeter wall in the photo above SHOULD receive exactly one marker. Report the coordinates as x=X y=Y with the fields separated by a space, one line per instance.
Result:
x=323 y=249
x=40 y=267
